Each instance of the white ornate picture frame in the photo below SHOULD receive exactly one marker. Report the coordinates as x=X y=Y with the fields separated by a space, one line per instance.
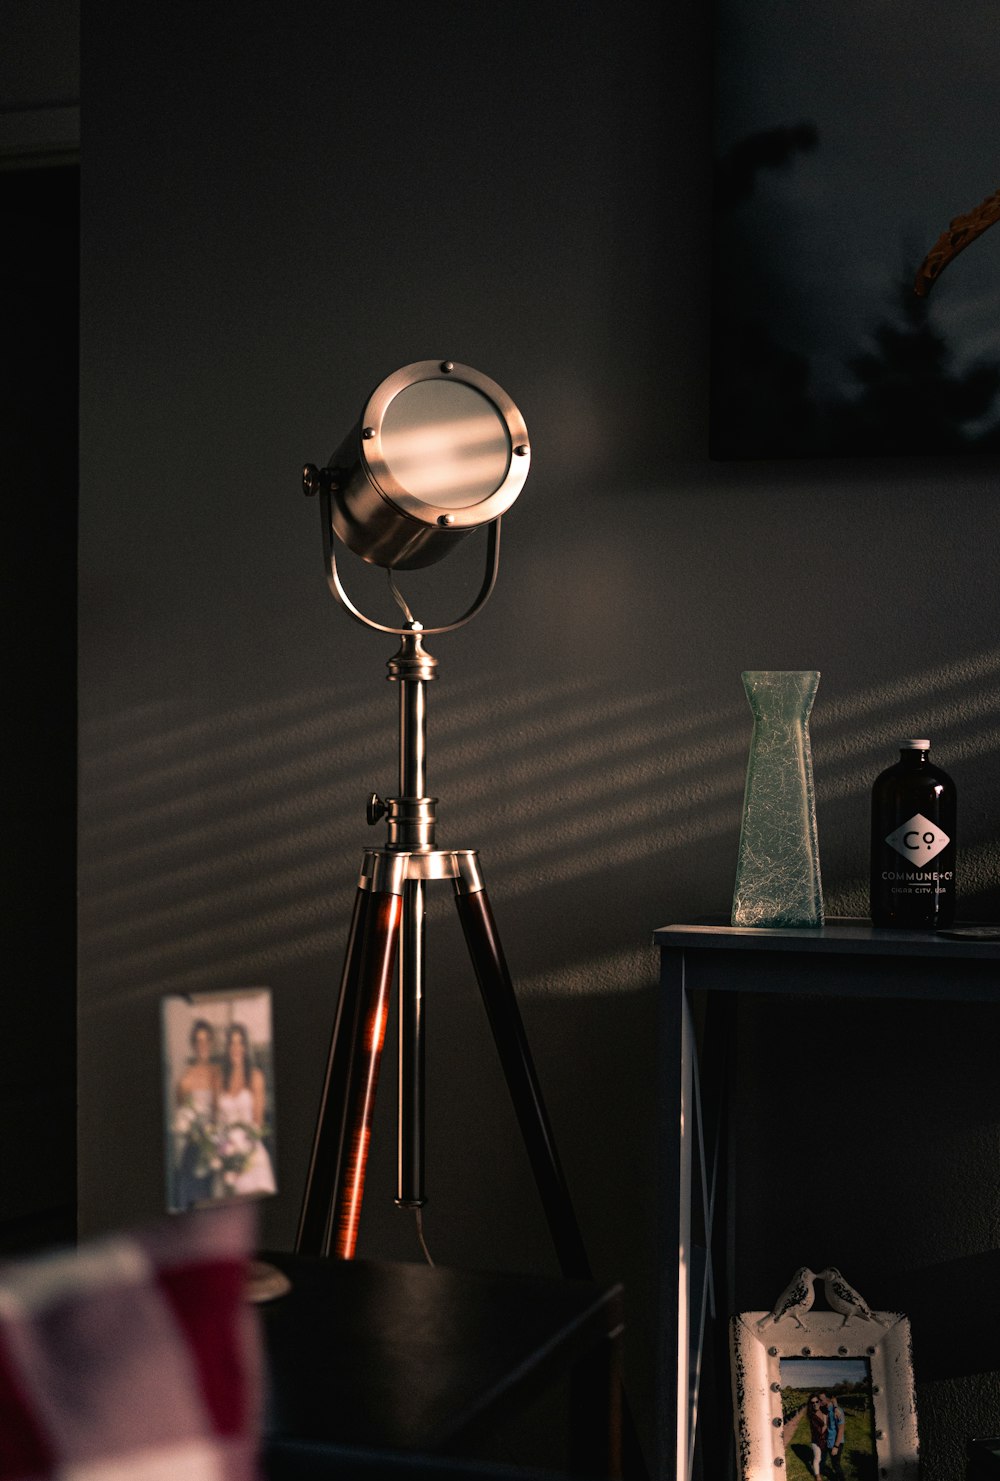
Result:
x=758 y=1344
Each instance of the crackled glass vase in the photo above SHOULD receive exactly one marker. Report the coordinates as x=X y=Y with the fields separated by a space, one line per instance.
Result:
x=777 y=874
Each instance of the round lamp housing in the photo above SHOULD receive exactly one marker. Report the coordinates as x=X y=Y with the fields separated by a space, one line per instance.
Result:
x=439 y=450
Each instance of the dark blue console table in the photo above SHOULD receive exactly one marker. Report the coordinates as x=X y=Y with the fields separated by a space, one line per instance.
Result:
x=703 y=969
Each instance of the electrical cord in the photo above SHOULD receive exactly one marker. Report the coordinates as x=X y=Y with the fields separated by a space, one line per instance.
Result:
x=419 y=1214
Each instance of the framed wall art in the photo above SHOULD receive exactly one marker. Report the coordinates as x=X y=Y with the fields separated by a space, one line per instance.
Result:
x=847 y=138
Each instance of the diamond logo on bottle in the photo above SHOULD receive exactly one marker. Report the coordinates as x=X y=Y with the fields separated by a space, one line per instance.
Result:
x=918 y=840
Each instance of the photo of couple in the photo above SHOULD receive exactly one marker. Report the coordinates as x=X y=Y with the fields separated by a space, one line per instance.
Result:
x=828 y=1419
x=219 y=1110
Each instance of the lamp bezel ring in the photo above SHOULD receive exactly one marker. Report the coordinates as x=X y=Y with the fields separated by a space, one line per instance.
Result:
x=377 y=469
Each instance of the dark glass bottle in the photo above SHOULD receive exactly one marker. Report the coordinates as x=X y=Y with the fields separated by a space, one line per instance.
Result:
x=913 y=843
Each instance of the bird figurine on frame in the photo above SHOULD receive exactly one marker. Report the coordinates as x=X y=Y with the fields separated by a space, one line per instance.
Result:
x=843 y=1298
x=797 y=1297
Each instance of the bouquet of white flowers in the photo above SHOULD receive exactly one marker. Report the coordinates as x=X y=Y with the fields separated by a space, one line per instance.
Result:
x=196 y=1131
x=235 y=1145
x=209 y=1148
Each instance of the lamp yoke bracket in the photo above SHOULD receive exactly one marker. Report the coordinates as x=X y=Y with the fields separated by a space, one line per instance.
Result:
x=324 y=482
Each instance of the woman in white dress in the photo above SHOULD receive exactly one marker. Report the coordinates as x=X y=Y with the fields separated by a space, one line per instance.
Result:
x=195 y=1095
x=241 y=1116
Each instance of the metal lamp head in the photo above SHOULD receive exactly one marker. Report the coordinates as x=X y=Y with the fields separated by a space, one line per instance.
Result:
x=438 y=451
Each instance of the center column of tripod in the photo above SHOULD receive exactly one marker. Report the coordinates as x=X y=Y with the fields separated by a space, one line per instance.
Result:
x=412 y=819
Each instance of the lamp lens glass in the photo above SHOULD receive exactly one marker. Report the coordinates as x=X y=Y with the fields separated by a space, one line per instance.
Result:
x=445 y=442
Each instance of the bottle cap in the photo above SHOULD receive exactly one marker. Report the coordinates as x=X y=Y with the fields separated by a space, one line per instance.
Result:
x=915 y=745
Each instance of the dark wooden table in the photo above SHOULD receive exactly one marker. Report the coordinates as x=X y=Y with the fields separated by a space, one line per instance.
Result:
x=401 y=1359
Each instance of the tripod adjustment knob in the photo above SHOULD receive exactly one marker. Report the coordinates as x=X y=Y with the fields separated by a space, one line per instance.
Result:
x=376 y=810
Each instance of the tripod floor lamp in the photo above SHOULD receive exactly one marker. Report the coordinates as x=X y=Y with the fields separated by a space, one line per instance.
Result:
x=439 y=451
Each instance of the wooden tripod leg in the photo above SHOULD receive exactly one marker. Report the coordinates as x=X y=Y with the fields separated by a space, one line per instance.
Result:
x=313 y=1236
x=495 y=985
x=331 y=1208
x=377 y=969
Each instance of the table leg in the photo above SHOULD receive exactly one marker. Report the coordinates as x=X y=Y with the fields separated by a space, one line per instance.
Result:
x=676 y=1119
x=595 y=1447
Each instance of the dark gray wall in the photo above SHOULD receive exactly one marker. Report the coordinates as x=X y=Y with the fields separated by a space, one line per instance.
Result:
x=40 y=60
x=281 y=205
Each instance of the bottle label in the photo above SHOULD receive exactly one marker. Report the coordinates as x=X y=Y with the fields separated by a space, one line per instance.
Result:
x=918 y=840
